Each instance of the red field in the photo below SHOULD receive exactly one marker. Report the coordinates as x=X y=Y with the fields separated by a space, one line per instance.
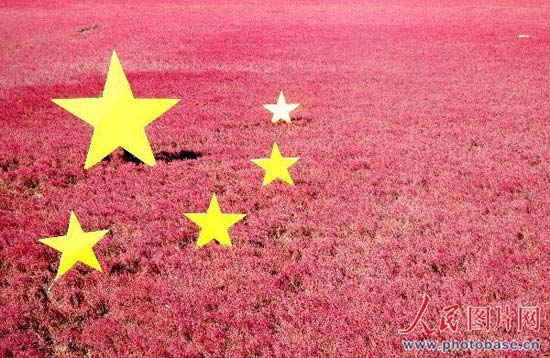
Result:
x=424 y=141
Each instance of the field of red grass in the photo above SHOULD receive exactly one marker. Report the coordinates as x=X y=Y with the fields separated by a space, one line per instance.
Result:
x=424 y=138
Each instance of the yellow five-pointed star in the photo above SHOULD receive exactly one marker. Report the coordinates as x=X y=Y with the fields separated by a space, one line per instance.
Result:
x=214 y=224
x=119 y=119
x=76 y=246
x=276 y=167
x=281 y=110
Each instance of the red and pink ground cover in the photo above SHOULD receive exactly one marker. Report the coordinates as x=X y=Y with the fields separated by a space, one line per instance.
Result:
x=424 y=140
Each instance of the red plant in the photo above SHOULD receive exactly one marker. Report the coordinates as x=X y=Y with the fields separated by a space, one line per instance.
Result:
x=423 y=138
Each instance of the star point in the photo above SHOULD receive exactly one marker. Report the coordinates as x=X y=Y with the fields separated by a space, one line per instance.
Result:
x=119 y=119
x=75 y=246
x=281 y=110
x=276 y=166
x=214 y=224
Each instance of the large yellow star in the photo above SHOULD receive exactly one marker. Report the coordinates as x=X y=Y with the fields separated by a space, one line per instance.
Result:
x=276 y=167
x=281 y=110
x=214 y=224
x=119 y=119
x=76 y=246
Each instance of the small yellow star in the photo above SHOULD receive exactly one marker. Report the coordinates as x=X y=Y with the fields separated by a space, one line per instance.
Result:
x=281 y=110
x=214 y=224
x=76 y=246
x=119 y=119
x=276 y=167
